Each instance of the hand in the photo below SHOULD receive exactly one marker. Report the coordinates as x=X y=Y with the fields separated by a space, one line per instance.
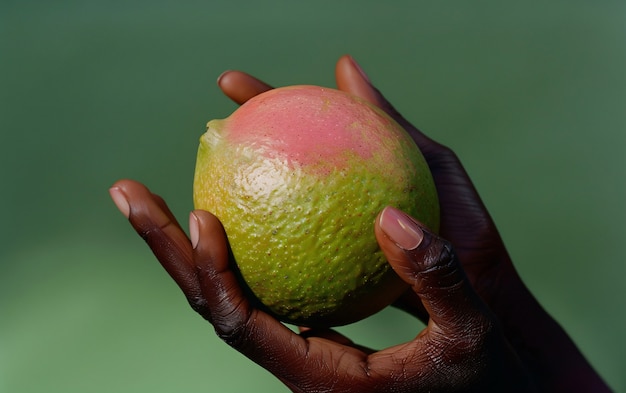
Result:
x=485 y=330
x=461 y=347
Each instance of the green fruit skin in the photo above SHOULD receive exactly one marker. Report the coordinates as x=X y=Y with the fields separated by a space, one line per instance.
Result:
x=302 y=234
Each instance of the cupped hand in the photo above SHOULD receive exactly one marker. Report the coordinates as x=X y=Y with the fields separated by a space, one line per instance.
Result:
x=465 y=221
x=461 y=349
x=485 y=331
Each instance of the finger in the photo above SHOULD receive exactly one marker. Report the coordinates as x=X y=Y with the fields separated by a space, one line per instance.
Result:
x=351 y=78
x=296 y=360
x=155 y=223
x=461 y=337
x=229 y=308
x=429 y=265
x=240 y=87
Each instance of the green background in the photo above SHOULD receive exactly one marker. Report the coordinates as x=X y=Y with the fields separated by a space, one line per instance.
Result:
x=530 y=94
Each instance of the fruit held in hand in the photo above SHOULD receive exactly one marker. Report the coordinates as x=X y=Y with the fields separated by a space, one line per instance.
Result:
x=297 y=176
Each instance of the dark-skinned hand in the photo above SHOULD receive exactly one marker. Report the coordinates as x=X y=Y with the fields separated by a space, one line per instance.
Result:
x=484 y=330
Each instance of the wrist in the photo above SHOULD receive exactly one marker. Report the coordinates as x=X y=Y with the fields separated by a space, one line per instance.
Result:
x=542 y=344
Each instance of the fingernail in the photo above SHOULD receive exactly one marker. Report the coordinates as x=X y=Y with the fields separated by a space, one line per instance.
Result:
x=219 y=78
x=194 y=231
x=358 y=68
x=120 y=200
x=400 y=228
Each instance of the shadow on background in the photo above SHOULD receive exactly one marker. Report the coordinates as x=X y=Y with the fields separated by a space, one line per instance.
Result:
x=531 y=96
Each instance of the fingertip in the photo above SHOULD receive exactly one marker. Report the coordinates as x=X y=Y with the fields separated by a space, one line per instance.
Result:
x=123 y=184
x=348 y=66
x=240 y=86
x=402 y=240
x=127 y=193
x=400 y=228
x=130 y=188
x=208 y=239
x=120 y=200
x=411 y=248
x=203 y=224
x=352 y=79
x=226 y=78
x=355 y=65
x=194 y=230
x=221 y=77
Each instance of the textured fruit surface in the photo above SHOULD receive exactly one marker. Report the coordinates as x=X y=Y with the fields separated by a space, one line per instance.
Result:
x=297 y=175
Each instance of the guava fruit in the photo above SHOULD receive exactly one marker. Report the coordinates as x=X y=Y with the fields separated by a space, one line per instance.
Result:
x=297 y=176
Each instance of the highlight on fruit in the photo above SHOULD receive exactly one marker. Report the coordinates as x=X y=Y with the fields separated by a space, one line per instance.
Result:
x=297 y=176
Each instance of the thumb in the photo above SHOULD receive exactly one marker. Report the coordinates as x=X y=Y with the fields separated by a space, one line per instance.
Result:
x=428 y=263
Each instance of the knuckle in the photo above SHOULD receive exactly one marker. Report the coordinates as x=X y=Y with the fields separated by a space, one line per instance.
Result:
x=199 y=305
x=440 y=254
x=446 y=253
x=151 y=230
x=233 y=325
x=233 y=335
x=221 y=304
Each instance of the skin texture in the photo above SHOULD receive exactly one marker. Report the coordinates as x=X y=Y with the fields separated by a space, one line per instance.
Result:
x=485 y=331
